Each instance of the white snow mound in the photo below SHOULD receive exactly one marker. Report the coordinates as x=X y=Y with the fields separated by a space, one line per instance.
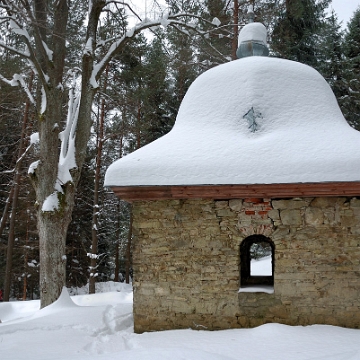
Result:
x=63 y=302
x=256 y=120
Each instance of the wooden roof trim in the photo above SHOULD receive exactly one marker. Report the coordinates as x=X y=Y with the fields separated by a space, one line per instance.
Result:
x=133 y=193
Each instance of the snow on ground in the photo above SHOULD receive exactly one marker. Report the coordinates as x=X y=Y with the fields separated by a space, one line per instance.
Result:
x=100 y=327
x=261 y=266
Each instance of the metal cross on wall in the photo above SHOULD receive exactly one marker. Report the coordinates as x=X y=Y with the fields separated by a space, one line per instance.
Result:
x=251 y=117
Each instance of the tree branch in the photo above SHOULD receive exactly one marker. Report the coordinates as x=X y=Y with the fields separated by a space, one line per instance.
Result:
x=119 y=43
x=124 y=4
x=14 y=50
x=22 y=33
x=16 y=80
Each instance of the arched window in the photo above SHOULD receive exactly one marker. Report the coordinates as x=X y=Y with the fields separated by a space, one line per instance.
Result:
x=253 y=250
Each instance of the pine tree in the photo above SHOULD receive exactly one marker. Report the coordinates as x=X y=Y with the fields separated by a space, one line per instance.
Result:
x=295 y=34
x=331 y=59
x=156 y=92
x=350 y=103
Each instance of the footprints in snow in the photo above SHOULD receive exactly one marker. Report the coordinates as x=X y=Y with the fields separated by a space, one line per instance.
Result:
x=120 y=326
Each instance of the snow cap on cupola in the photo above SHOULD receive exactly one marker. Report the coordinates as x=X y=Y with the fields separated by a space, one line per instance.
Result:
x=252 y=38
x=255 y=120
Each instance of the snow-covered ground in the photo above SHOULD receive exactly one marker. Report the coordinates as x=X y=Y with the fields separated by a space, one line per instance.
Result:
x=261 y=266
x=100 y=327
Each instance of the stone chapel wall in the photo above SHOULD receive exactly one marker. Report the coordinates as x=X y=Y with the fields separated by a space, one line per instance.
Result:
x=186 y=262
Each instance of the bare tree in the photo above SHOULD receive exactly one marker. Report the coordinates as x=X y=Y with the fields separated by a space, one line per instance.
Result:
x=42 y=26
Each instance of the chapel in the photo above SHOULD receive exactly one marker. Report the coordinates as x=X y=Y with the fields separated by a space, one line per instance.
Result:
x=260 y=156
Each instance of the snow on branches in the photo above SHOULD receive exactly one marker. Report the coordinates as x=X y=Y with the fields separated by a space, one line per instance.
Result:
x=40 y=50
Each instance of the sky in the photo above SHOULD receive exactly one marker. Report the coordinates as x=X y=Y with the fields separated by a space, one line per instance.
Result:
x=345 y=9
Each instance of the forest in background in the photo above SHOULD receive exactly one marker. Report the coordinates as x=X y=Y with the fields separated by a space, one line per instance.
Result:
x=139 y=95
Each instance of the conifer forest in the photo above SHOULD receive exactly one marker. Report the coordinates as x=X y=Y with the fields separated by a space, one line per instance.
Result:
x=83 y=83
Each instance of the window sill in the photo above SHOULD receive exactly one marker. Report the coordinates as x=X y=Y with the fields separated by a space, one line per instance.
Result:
x=257 y=289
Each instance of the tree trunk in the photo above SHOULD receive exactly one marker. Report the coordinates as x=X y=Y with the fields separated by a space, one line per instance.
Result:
x=52 y=223
x=26 y=258
x=95 y=223
x=5 y=215
x=117 y=267
x=25 y=277
x=128 y=250
x=138 y=126
x=236 y=30
x=52 y=239
x=117 y=250
x=11 y=240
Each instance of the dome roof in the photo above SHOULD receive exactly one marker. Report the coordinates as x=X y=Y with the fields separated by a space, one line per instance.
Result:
x=253 y=32
x=252 y=41
x=256 y=120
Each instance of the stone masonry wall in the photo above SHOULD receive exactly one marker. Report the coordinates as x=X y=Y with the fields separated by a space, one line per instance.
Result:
x=186 y=262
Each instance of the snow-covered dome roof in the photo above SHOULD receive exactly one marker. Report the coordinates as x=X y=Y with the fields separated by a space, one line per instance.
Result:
x=252 y=41
x=257 y=120
x=253 y=32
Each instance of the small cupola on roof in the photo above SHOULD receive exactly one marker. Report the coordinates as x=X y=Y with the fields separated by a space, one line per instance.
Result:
x=252 y=39
x=255 y=120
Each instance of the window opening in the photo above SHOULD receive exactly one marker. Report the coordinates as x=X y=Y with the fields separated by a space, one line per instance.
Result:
x=260 y=259
x=257 y=264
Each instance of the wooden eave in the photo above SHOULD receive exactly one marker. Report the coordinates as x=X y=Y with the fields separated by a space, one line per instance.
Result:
x=163 y=192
